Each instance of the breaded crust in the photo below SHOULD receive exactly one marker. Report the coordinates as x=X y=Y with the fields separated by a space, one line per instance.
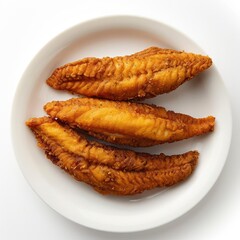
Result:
x=109 y=170
x=144 y=74
x=128 y=123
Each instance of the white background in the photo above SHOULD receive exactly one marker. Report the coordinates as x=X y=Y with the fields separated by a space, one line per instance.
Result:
x=27 y=25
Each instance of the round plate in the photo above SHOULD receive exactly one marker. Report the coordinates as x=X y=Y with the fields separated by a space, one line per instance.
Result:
x=202 y=96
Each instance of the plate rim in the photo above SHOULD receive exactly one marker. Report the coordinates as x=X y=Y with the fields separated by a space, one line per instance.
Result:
x=44 y=48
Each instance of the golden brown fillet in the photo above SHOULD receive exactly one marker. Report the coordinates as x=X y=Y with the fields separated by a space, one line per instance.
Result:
x=109 y=170
x=133 y=124
x=144 y=74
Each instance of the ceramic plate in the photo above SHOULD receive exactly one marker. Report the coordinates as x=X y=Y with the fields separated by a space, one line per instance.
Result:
x=202 y=96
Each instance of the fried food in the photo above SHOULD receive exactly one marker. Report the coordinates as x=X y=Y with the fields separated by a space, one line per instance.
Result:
x=128 y=123
x=144 y=74
x=107 y=169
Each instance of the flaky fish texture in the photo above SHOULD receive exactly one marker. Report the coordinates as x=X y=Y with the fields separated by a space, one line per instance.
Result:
x=107 y=169
x=128 y=123
x=144 y=74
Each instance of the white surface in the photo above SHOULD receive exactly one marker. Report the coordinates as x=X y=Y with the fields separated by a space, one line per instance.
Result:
x=113 y=36
x=26 y=26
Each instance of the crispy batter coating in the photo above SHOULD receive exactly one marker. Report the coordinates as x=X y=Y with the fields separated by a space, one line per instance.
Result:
x=128 y=123
x=109 y=170
x=144 y=74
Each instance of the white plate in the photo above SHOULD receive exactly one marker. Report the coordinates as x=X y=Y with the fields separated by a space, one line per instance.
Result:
x=202 y=96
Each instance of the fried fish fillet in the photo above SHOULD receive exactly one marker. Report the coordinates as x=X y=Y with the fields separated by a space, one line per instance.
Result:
x=128 y=123
x=107 y=169
x=144 y=74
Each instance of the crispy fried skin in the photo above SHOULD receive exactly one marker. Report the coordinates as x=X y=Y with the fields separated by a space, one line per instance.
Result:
x=144 y=74
x=109 y=170
x=128 y=123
